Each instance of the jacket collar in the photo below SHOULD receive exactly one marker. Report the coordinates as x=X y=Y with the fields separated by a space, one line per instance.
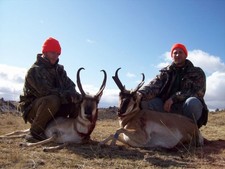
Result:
x=172 y=66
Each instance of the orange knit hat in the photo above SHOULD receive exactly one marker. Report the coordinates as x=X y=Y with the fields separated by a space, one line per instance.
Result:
x=51 y=45
x=181 y=46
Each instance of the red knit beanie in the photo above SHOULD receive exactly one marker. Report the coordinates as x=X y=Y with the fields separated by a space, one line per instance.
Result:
x=181 y=46
x=51 y=45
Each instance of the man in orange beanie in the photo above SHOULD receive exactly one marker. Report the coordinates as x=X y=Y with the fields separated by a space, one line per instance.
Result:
x=179 y=88
x=48 y=91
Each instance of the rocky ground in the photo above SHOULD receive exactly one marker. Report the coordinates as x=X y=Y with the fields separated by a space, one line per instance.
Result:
x=8 y=106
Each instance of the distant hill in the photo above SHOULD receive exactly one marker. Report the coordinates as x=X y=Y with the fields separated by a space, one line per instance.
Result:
x=8 y=106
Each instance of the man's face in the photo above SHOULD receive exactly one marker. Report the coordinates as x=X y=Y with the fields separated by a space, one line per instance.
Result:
x=52 y=57
x=179 y=57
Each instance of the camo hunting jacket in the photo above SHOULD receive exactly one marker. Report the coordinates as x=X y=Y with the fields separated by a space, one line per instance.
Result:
x=44 y=79
x=178 y=84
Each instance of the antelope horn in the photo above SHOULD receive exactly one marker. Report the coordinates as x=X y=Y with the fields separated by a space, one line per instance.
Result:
x=140 y=84
x=79 y=83
x=117 y=80
x=103 y=84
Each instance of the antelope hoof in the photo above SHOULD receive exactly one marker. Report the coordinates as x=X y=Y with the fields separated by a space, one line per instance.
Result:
x=45 y=149
x=23 y=144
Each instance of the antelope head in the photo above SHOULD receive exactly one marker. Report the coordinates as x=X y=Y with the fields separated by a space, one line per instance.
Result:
x=127 y=98
x=89 y=104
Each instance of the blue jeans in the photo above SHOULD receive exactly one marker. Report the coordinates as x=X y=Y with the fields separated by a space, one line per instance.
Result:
x=191 y=108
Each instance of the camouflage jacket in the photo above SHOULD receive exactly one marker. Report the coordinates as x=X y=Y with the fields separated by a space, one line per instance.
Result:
x=44 y=79
x=178 y=84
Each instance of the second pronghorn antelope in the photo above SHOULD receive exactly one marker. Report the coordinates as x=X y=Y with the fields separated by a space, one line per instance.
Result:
x=150 y=129
x=69 y=130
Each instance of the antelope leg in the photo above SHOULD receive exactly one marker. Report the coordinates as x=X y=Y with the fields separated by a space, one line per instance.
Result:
x=16 y=134
x=51 y=139
x=114 y=138
x=110 y=137
x=46 y=149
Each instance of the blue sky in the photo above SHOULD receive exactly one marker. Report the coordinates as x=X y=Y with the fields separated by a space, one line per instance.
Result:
x=106 y=34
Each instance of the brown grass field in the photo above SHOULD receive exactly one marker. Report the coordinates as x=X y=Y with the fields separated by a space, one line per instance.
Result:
x=87 y=156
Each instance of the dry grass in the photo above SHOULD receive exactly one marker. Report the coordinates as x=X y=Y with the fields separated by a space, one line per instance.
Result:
x=212 y=155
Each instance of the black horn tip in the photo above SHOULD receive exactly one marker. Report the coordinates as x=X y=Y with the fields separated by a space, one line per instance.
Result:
x=81 y=69
x=103 y=71
x=143 y=76
x=117 y=71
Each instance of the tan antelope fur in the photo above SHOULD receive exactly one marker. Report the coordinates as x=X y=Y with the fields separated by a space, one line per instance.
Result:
x=69 y=130
x=150 y=129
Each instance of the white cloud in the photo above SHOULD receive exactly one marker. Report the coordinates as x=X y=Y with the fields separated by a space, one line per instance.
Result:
x=11 y=81
x=130 y=75
x=207 y=62
x=90 y=41
x=215 y=93
x=109 y=97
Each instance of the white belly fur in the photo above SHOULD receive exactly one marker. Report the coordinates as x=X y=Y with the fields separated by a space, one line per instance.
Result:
x=159 y=136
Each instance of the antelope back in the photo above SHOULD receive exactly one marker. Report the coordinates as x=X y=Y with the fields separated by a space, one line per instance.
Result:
x=127 y=98
x=89 y=104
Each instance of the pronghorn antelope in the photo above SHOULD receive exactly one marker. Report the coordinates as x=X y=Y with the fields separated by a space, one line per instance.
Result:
x=150 y=129
x=69 y=130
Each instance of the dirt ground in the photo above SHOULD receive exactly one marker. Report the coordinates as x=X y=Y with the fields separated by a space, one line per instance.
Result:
x=90 y=155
